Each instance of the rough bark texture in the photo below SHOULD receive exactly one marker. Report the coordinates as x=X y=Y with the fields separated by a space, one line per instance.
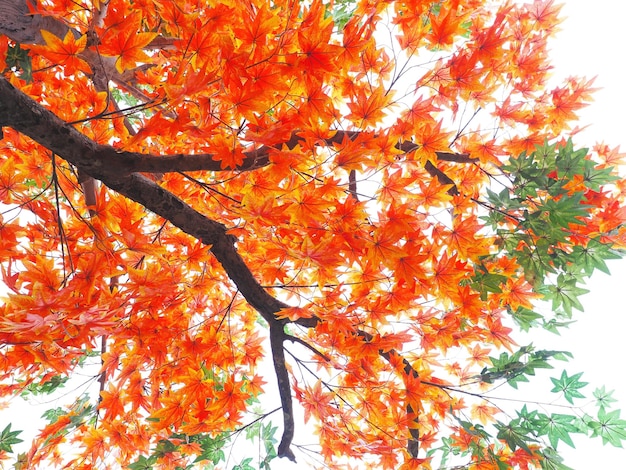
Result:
x=21 y=25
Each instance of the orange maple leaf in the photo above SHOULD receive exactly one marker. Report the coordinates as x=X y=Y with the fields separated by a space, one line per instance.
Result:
x=64 y=52
x=446 y=24
x=368 y=109
x=232 y=398
x=430 y=139
x=127 y=43
x=484 y=412
x=316 y=401
x=112 y=402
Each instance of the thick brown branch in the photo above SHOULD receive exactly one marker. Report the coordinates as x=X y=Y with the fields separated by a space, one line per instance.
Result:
x=17 y=23
x=277 y=337
x=257 y=158
x=352 y=185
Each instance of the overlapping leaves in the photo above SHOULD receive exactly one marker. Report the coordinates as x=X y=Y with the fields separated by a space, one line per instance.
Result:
x=329 y=193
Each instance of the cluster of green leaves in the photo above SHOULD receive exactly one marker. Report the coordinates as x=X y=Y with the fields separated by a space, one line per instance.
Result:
x=45 y=386
x=342 y=11
x=530 y=426
x=537 y=431
x=81 y=412
x=514 y=368
x=213 y=449
x=265 y=433
x=478 y=447
x=485 y=282
x=537 y=218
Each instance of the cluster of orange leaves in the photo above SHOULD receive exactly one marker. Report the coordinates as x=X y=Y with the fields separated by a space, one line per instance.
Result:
x=224 y=77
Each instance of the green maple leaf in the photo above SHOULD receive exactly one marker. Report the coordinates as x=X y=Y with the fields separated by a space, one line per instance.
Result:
x=514 y=435
x=565 y=293
x=610 y=427
x=552 y=460
x=593 y=256
x=596 y=177
x=558 y=428
x=569 y=386
x=524 y=317
x=604 y=398
x=8 y=438
x=143 y=463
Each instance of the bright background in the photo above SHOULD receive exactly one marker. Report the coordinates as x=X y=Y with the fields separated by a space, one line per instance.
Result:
x=591 y=43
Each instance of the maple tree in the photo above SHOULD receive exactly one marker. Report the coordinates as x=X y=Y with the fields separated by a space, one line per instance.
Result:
x=360 y=192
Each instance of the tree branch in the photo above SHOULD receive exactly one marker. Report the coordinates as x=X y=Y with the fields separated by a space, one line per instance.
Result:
x=17 y=23
x=295 y=339
x=411 y=408
x=254 y=159
x=277 y=337
x=25 y=115
x=109 y=166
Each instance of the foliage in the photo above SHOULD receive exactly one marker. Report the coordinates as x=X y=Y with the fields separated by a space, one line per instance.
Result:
x=370 y=197
x=9 y=438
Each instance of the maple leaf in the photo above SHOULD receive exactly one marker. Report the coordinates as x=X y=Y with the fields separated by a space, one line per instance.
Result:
x=293 y=313
x=479 y=355
x=500 y=333
x=172 y=412
x=315 y=50
x=9 y=438
x=95 y=441
x=260 y=29
x=368 y=109
x=125 y=42
x=545 y=13
x=64 y=52
x=610 y=156
x=227 y=152
x=445 y=24
x=112 y=402
x=430 y=139
x=232 y=398
x=484 y=412
x=317 y=402
x=447 y=272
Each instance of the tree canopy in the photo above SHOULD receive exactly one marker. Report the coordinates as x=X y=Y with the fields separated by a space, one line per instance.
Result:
x=370 y=195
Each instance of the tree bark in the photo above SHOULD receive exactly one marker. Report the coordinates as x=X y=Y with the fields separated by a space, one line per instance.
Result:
x=18 y=23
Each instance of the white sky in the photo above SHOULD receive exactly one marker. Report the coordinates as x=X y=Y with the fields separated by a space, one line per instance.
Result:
x=591 y=43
